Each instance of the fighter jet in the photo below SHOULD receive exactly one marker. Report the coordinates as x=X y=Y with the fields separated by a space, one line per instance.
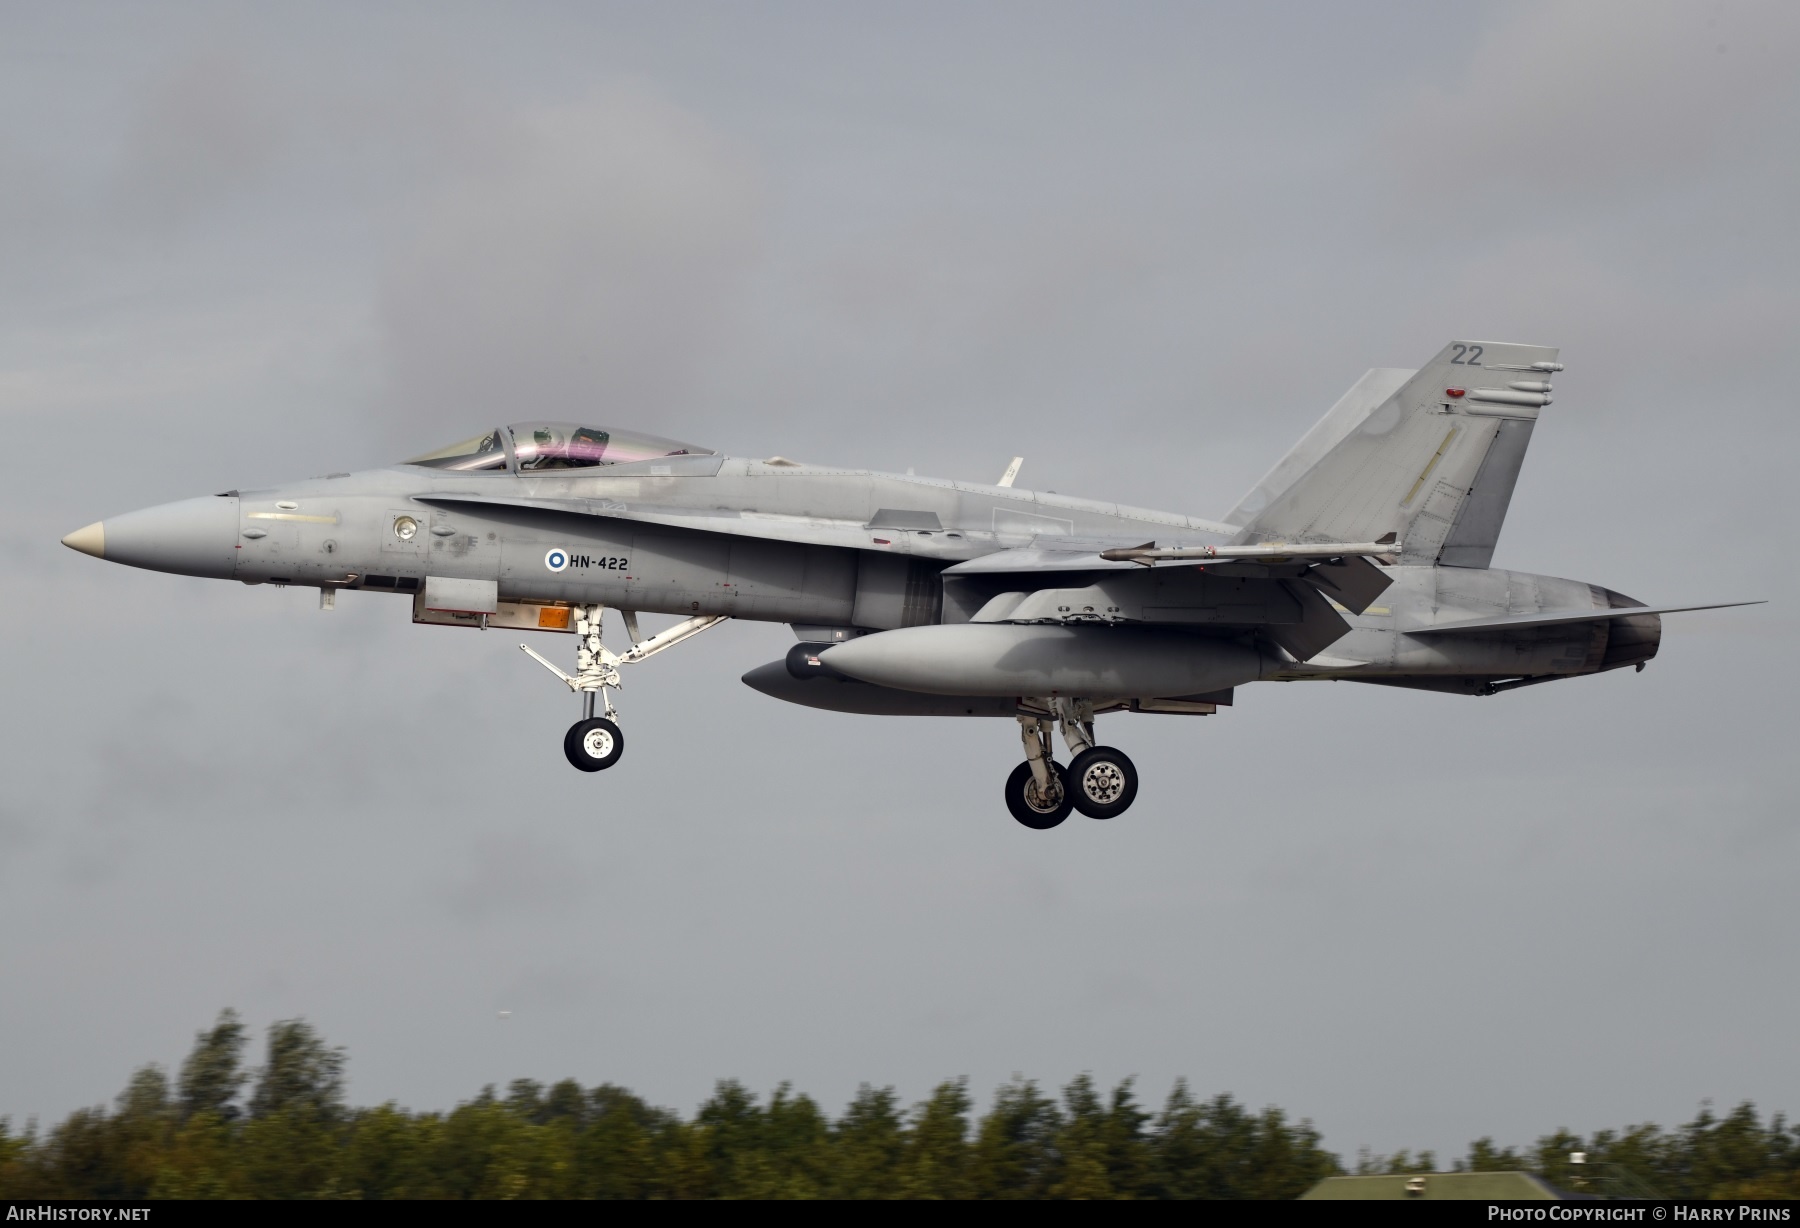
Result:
x=1363 y=555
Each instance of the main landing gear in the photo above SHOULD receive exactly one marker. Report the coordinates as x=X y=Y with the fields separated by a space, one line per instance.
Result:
x=595 y=743
x=1100 y=781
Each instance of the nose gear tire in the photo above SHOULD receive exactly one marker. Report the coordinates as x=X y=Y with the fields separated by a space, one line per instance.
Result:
x=593 y=745
x=1102 y=782
x=1029 y=807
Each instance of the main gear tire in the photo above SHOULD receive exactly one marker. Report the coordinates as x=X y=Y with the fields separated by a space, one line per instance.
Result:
x=1030 y=807
x=1102 y=782
x=594 y=745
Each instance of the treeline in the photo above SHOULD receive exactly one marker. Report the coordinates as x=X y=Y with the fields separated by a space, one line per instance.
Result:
x=292 y=1136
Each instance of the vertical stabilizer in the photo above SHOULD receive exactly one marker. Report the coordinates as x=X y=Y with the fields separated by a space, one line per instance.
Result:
x=1409 y=466
x=1364 y=398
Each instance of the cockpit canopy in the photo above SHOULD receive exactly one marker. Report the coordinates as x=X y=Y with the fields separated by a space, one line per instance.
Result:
x=536 y=447
x=564 y=445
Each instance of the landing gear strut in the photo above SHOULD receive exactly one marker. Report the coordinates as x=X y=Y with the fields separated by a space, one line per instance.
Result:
x=595 y=743
x=1100 y=781
x=1037 y=792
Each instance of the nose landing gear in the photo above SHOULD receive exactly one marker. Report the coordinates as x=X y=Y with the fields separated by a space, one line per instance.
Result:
x=595 y=743
x=1100 y=781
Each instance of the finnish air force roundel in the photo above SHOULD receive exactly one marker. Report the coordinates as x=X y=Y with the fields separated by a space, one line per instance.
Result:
x=557 y=559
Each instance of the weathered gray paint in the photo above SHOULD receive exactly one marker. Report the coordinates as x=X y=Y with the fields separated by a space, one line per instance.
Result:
x=862 y=698
x=1432 y=455
x=1364 y=397
x=1477 y=529
x=1408 y=465
x=1040 y=660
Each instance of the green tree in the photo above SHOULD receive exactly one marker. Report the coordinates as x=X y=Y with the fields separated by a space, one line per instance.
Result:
x=213 y=1074
x=289 y=1146
x=142 y=1124
x=732 y=1126
x=777 y=1152
x=1220 y=1150
x=1286 y=1159
x=620 y=1148
x=1484 y=1157
x=490 y=1151
x=565 y=1100
x=201 y=1162
x=1081 y=1146
x=296 y=1139
x=526 y=1098
x=1015 y=1144
x=936 y=1160
x=20 y=1173
x=302 y=1075
x=388 y=1153
x=868 y=1144
x=1104 y=1149
x=1551 y=1158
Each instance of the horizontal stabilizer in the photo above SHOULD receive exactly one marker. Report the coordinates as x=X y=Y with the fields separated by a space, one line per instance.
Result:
x=1526 y=622
x=1353 y=583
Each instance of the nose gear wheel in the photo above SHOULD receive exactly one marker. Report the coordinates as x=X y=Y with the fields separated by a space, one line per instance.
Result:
x=594 y=745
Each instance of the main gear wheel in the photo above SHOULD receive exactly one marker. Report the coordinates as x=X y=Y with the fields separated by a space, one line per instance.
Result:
x=1036 y=808
x=1102 y=782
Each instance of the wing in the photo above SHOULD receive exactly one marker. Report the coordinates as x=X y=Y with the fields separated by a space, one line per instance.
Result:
x=1285 y=600
x=1348 y=578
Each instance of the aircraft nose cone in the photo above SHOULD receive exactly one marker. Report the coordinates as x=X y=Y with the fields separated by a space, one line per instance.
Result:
x=194 y=537
x=89 y=539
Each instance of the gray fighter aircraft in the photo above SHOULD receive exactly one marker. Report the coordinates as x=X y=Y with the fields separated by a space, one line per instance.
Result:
x=1363 y=555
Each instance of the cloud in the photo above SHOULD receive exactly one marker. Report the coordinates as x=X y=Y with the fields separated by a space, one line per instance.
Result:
x=1147 y=272
x=206 y=128
x=569 y=261
x=1595 y=103
x=17 y=837
x=515 y=875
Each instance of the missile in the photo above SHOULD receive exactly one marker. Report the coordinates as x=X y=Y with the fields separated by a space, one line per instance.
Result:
x=998 y=659
x=1385 y=551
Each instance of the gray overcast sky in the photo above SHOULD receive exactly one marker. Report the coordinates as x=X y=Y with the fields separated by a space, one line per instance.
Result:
x=1145 y=246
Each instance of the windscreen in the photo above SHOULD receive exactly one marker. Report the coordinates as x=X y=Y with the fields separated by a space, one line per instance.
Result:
x=479 y=452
